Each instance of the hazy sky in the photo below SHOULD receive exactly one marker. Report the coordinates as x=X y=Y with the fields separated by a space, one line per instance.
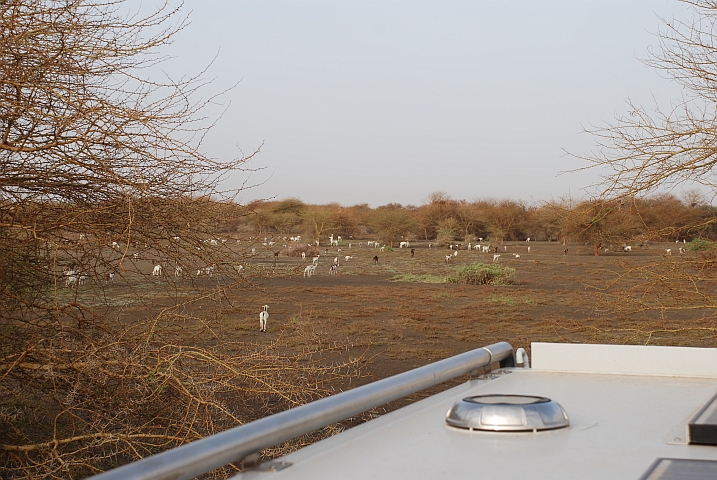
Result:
x=378 y=102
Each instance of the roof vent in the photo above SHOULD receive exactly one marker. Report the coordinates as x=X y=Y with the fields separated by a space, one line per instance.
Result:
x=507 y=413
x=702 y=428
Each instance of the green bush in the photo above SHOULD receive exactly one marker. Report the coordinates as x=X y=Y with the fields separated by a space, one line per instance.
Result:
x=476 y=274
x=699 y=245
x=483 y=274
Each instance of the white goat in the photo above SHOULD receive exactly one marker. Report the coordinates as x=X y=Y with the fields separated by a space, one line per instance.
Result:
x=303 y=255
x=403 y=245
x=683 y=250
x=333 y=269
x=208 y=271
x=70 y=276
x=115 y=245
x=449 y=258
x=263 y=318
x=348 y=257
x=178 y=271
x=455 y=254
x=157 y=270
x=309 y=270
x=315 y=261
x=496 y=257
x=668 y=252
x=627 y=248
x=486 y=249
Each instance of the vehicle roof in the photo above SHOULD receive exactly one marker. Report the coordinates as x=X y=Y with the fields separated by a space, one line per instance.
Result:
x=628 y=406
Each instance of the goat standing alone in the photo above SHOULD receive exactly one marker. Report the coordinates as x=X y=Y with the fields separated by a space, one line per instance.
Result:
x=263 y=317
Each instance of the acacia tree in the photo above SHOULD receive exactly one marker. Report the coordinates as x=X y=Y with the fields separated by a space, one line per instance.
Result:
x=505 y=218
x=101 y=172
x=392 y=223
x=468 y=217
x=318 y=221
x=601 y=224
x=438 y=208
x=645 y=151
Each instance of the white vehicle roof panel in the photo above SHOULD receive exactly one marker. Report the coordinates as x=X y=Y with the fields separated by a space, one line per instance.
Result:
x=621 y=421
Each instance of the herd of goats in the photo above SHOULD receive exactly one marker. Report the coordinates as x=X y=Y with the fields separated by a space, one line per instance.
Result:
x=74 y=277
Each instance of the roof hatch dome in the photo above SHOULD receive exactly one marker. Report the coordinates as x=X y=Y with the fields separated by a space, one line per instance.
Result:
x=507 y=413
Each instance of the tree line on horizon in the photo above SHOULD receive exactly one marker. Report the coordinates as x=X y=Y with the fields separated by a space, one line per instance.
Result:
x=663 y=217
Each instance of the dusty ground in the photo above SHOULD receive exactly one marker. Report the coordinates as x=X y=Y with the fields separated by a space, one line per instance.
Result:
x=399 y=325
x=405 y=325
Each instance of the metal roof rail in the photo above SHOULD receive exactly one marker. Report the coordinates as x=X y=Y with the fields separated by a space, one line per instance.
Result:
x=237 y=443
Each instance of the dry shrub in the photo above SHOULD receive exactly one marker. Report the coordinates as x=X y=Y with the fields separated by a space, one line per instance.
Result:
x=79 y=401
x=103 y=173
